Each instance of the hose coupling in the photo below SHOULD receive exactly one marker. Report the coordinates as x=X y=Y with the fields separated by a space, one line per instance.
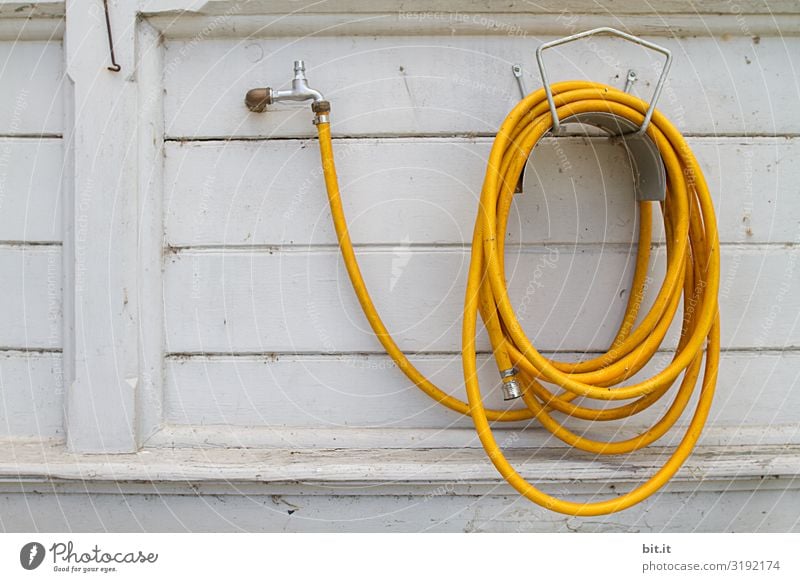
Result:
x=322 y=109
x=511 y=388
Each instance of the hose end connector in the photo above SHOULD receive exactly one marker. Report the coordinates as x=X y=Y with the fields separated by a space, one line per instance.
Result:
x=322 y=111
x=511 y=388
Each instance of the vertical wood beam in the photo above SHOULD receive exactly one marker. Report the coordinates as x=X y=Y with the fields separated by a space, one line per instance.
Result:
x=101 y=335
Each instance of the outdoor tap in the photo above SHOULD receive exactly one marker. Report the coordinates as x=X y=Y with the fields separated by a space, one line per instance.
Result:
x=258 y=99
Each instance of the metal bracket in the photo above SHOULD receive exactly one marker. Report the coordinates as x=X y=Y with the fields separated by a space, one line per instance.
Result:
x=614 y=32
x=516 y=70
x=649 y=172
x=630 y=80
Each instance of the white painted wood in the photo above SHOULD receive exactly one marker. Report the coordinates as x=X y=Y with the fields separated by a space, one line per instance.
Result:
x=30 y=285
x=691 y=505
x=247 y=418
x=102 y=267
x=31 y=171
x=31 y=395
x=277 y=437
x=419 y=466
x=269 y=194
x=235 y=22
x=429 y=7
x=425 y=191
x=715 y=511
x=33 y=29
x=368 y=490
x=753 y=184
x=568 y=299
x=763 y=483
x=31 y=100
x=150 y=212
x=69 y=246
x=368 y=392
x=436 y=508
x=14 y=9
x=445 y=85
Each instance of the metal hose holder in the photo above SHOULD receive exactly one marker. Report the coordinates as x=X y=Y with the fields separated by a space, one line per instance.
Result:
x=650 y=176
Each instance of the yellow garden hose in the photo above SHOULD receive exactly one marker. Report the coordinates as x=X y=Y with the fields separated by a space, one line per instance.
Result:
x=692 y=273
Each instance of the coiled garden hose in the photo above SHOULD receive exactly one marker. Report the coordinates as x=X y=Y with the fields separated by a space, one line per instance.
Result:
x=692 y=273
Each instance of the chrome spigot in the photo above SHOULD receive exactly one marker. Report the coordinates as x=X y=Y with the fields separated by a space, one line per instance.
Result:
x=258 y=99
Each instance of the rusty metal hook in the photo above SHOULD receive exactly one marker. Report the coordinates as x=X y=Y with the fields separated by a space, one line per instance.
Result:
x=114 y=65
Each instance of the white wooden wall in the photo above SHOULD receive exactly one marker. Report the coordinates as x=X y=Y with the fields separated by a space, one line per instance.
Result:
x=31 y=168
x=172 y=294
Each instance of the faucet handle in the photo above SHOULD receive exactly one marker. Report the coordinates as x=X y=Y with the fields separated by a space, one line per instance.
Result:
x=258 y=99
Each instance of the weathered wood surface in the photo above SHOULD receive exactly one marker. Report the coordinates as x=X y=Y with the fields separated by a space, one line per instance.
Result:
x=442 y=85
x=224 y=301
x=272 y=384
x=348 y=393
x=432 y=508
x=544 y=465
x=425 y=191
x=31 y=102
x=31 y=395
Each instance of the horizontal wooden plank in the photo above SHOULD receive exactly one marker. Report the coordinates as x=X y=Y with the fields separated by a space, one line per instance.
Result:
x=32 y=101
x=341 y=466
x=442 y=84
x=346 y=394
x=448 y=507
x=31 y=29
x=31 y=8
x=565 y=298
x=425 y=191
x=276 y=437
x=30 y=189
x=444 y=8
x=236 y=22
x=32 y=391
x=31 y=287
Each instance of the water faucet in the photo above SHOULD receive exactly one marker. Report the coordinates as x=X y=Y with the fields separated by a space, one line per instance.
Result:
x=258 y=99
